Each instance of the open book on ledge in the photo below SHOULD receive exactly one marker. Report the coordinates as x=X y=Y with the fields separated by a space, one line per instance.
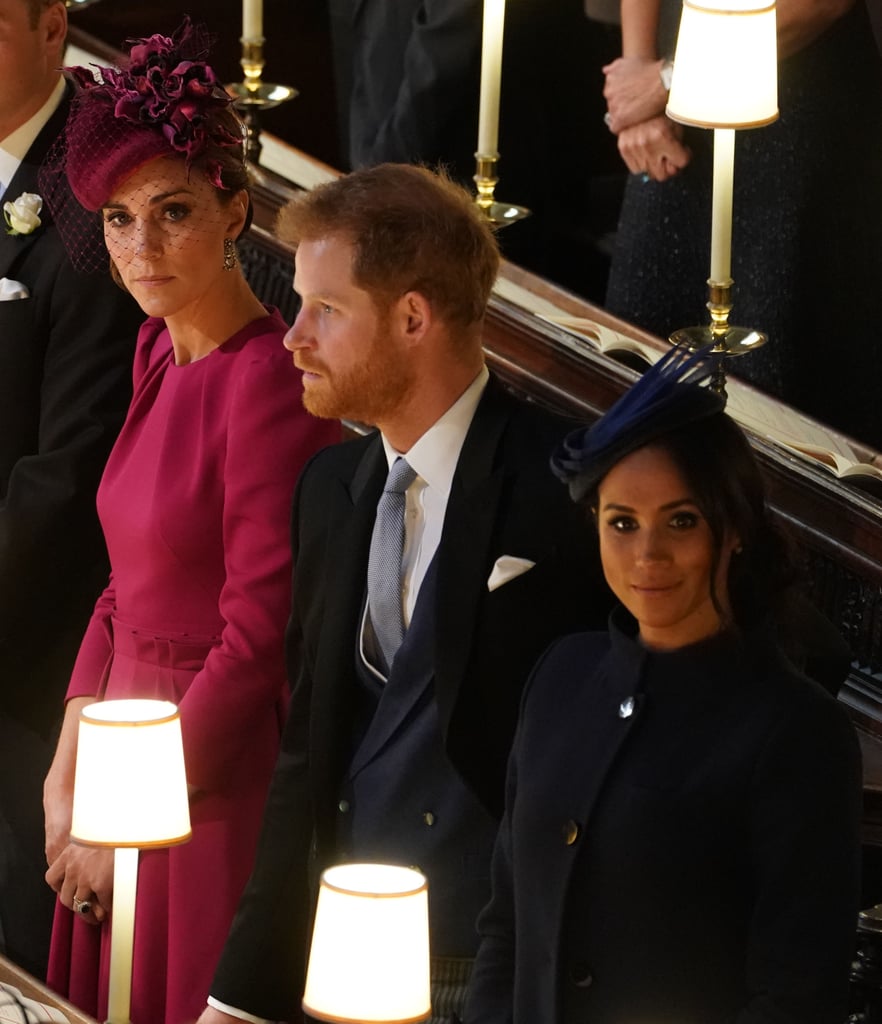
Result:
x=605 y=339
x=17 y=1008
x=755 y=411
x=803 y=436
x=587 y=331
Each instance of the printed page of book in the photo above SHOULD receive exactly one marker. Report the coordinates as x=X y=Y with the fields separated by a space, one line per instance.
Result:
x=603 y=338
x=16 y=1008
x=769 y=418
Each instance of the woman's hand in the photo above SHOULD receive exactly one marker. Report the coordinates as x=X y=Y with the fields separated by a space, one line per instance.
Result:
x=57 y=806
x=633 y=91
x=84 y=873
x=58 y=786
x=654 y=148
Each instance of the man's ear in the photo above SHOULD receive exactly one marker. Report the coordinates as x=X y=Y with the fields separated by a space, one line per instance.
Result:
x=415 y=312
x=53 y=22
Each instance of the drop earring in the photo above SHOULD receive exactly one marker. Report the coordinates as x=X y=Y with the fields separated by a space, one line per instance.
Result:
x=230 y=256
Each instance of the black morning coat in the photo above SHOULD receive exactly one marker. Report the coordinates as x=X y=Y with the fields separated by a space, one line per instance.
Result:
x=504 y=501
x=65 y=383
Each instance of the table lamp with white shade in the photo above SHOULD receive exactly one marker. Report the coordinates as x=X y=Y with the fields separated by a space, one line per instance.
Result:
x=130 y=792
x=725 y=77
x=369 y=958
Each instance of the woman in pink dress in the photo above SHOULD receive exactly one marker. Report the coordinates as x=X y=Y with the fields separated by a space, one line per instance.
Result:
x=195 y=506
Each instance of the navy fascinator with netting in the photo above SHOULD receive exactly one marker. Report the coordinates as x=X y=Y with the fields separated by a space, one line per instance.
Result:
x=669 y=395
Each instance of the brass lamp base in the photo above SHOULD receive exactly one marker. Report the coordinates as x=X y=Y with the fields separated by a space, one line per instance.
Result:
x=724 y=341
x=253 y=95
x=499 y=214
x=265 y=95
x=734 y=341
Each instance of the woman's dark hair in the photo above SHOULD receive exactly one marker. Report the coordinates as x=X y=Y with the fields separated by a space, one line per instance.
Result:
x=716 y=462
x=224 y=161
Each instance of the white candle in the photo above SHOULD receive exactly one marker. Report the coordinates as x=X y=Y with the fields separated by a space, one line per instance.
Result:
x=252 y=19
x=491 y=76
x=721 y=221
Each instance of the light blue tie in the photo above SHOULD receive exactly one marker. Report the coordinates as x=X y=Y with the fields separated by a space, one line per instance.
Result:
x=384 y=561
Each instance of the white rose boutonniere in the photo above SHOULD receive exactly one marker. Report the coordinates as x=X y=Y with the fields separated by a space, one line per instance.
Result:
x=23 y=216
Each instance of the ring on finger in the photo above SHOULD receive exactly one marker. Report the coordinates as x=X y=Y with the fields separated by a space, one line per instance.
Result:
x=82 y=907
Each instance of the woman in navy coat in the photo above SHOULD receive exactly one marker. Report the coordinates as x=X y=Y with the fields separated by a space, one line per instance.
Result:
x=681 y=837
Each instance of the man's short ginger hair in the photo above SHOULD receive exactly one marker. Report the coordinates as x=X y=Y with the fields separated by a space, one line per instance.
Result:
x=412 y=230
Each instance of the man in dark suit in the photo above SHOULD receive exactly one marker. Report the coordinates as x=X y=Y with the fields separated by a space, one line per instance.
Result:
x=400 y=755
x=66 y=341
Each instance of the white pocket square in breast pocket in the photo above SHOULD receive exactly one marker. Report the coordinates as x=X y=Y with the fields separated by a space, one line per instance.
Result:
x=10 y=289
x=507 y=567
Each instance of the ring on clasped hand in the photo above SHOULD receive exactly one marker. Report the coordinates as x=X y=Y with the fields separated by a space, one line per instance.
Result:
x=82 y=906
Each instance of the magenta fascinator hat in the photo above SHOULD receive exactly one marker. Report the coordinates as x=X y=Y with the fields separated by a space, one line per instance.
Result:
x=165 y=100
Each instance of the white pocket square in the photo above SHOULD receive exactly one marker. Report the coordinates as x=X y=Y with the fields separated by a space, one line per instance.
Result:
x=10 y=289
x=507 y=567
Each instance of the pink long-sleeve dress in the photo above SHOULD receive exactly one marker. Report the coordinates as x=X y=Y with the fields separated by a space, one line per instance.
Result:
x=194 y=504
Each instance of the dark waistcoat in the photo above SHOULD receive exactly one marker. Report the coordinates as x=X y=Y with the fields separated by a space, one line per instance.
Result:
x=401 y=800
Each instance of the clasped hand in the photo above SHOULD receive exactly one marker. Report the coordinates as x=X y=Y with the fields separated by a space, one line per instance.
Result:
x=649 y=142
x=633 y=91
x=654 y=148
x=75 y=872
x=84 y=873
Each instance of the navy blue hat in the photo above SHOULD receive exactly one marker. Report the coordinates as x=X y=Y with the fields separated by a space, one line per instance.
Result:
x=668 y=396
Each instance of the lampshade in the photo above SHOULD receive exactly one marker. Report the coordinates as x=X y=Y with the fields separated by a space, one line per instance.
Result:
x=369 y=959
x=130 y=788
x=725 y=65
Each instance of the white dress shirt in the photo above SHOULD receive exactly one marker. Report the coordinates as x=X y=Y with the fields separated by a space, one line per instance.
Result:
x=434 y=459
x=14 y=147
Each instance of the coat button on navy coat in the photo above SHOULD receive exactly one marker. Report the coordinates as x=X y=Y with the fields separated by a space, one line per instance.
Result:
x=570 y=832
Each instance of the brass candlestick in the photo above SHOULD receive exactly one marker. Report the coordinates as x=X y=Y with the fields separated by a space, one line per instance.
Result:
x=252 y=95
x=499 y=214
x=727 y=341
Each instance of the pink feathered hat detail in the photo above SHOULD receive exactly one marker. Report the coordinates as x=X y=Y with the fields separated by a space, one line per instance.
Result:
x=165 y=101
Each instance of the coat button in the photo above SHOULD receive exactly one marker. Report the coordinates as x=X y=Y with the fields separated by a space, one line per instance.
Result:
x=429 y=818
x=581 y=975
x=626 y=708
x=343 y=807
x=570 y=832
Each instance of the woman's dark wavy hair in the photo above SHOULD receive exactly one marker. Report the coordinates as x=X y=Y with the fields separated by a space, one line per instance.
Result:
x=717 y=464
